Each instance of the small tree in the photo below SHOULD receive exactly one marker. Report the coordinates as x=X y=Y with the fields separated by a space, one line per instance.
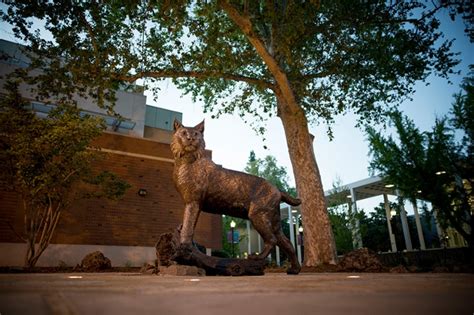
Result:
x=42 y=160
x=374 y=229
x=343 y=220
x=432 y=166
x=340 y=223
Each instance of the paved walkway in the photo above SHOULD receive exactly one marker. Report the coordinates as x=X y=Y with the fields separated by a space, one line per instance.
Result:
x=329 y=293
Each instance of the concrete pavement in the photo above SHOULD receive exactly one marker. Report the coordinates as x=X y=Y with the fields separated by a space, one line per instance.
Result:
x=316 y=293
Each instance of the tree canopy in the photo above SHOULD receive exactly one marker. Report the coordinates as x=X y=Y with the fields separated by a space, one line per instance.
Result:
x=433 y=165
x=327 y=55
x=300 y=60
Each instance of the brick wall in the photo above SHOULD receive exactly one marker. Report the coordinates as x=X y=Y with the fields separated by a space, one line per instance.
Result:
x=11 y=216
x=132 y=221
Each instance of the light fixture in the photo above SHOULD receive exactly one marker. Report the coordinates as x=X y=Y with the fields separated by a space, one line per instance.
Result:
x=193 y=280
x=294 y=211
x=419 y=191
x=300 y=229
x=440 y=172
x=232 y=226
x=389 y=186
x=349 y=196
x=393 y=212
x=142 y=192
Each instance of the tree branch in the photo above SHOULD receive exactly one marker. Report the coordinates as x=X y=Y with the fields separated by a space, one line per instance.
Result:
x=15 y=232
x=69 y=175
x=90 y=31
x=245 y=25
x=199 y=75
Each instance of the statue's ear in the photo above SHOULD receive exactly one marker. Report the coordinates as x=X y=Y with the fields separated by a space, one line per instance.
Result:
x=200 y=127
x=176 y=124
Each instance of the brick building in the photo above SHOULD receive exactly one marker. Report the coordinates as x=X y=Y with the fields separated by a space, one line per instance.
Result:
x=137 y=149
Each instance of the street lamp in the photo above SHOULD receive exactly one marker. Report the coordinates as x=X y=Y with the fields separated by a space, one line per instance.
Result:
x=232 y=226
x=300 y=243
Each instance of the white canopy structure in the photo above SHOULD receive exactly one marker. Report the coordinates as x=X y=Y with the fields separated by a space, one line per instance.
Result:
x=372 y=187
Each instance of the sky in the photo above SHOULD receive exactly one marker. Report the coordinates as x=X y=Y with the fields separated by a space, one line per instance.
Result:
x=345 y=157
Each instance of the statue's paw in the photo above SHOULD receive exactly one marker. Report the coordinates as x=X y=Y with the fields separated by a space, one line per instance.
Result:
x=293 y=270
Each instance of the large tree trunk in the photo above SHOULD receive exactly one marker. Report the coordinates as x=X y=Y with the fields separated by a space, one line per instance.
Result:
x=319 y=242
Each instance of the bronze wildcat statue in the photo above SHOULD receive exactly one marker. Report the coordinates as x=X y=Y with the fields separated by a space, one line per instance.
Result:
x=208 y=187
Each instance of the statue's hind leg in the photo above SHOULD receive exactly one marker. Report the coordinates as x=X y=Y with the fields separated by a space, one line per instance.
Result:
x=262 y=221
x=287 y=247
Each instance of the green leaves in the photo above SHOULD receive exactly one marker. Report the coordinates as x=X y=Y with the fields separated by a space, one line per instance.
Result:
x=110 y=185
x=268 y=169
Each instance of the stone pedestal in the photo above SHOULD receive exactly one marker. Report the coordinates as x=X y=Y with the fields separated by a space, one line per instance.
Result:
x=181 y=270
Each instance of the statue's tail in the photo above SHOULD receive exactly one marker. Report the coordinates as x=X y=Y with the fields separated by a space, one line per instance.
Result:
x=289 y=200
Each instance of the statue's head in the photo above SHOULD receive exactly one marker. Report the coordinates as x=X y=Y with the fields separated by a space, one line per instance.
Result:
x=188 y=140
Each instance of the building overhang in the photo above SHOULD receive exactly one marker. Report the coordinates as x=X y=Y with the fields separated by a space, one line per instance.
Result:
x=360 y=190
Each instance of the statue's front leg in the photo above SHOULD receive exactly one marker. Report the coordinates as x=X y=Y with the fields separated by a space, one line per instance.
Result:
x=190 y=218
x=191 y=215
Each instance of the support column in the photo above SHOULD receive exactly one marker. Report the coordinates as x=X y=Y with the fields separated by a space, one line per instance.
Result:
x=277 y=253
x=388 y=215
x=355 y=224
x=439 y=230
x=249 y=240
x=298 y=245
x=419 y=228
x=404 y=220
x=292 y=227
